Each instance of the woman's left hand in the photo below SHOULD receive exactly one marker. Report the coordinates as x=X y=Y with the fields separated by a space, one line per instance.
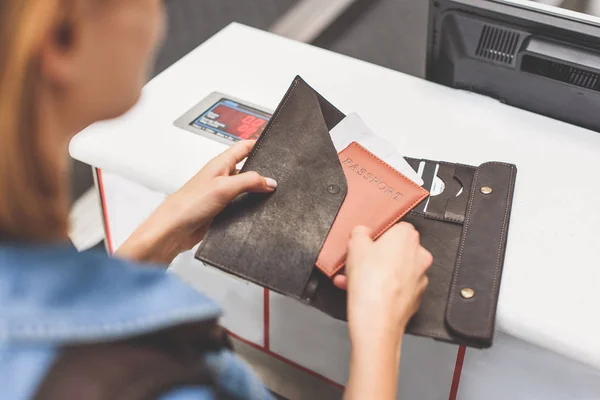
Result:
x=184 y=217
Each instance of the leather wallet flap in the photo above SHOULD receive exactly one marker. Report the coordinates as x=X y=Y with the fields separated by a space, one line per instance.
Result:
x=473 y=296
x=274 y=239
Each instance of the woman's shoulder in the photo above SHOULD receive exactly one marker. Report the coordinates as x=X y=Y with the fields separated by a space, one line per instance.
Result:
x=53 y=294
x=53 y=298
x=193 y=355
x=137 y=366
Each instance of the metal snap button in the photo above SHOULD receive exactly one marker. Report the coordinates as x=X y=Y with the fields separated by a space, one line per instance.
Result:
x=333 y=189
x=486 y=190
x=467 y=293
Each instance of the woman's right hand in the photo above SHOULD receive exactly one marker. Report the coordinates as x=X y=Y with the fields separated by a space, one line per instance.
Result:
x=385 y=281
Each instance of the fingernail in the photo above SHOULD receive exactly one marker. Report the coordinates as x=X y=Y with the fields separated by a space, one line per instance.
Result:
x=272 y=183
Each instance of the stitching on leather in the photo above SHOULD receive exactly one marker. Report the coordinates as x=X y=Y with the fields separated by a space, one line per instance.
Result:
x=463 y=239
x=263 y=136
x=504 y=226
x=83 y=331
x=462 y=243
x=260 y=140
x=388 y=166
x=431 y=216
x=444 y=218
x=248 y=161
x=318 y=264
x=394 y=220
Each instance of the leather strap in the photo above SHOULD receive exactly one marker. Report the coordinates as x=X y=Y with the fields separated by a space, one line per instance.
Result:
x=480 y=258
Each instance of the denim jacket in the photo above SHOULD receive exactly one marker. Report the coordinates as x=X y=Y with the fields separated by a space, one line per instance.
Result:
x=51 y=295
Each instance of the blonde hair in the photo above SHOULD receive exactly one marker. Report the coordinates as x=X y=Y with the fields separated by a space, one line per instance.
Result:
x=33 y=188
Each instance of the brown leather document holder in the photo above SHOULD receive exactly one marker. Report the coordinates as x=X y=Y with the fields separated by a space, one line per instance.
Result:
x=275 y=239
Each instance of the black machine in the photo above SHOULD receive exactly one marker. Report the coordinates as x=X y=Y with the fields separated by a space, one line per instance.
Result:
x=525 y=55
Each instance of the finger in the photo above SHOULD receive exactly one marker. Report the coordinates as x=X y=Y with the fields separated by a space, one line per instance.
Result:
x=402 y=229
x=401 y=233
x=422 y=285
x=360 y=237
x=229 y=187
x=341 y=281
x=361 y=232
x=231 y=157
x=239 y=150
x=359 y=244
x=407 y=226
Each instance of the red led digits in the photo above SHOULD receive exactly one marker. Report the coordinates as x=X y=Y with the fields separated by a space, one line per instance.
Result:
x=249 y=126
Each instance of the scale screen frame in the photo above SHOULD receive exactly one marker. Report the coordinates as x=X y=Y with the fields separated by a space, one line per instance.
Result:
x=186 y=121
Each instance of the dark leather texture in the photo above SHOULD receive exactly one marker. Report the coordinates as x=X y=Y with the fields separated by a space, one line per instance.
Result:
x=466 y=233
x=274 y=239
x=479 y=262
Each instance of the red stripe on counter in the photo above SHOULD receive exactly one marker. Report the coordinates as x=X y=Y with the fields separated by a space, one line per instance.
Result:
x=289 y=362
x=267 y=319
x=109 y=243
x=460 y=358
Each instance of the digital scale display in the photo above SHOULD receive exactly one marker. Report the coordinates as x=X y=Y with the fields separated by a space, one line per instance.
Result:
x=225 y=119
x=233 y=121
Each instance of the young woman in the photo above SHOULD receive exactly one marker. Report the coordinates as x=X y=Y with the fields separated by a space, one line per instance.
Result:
x=85 y=325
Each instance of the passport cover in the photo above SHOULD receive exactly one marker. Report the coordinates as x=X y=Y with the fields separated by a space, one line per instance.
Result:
x=378 y=197
x=274 y=240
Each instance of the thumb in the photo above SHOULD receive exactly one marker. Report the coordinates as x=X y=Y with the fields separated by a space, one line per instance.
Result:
x=229 y=187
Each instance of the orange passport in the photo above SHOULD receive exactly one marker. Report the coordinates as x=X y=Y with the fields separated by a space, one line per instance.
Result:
x=378 y=197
